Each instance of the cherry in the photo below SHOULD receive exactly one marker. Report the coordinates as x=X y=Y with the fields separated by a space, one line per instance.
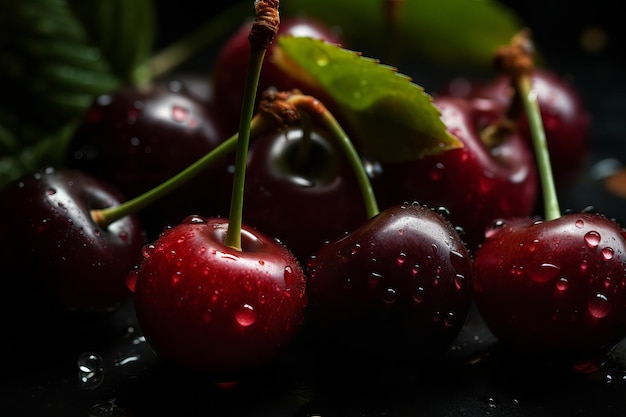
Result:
x=212 y=308
x=483 y=181
x=139 y=136
x=566 y=120
x=398 y=288
x=229 y=71
x=554 y=286
x=56 y=248
x=300 y=189
x=214 y=295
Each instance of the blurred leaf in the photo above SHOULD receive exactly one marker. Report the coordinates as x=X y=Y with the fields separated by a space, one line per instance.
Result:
x=462 y=33
x=393 y=118
x=131 y=42
x=55 y=61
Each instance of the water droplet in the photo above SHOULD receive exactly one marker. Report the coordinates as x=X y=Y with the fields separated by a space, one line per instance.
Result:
x=562 y=284
x=401 y=259
x=245 y=315
x=418 y=296
x=321 y=58
x=131 y=279
x=599 y=306
x=51 y=191
x=592 y=239
x=148 y=250
x=390 y=296
x=545 y=272
x=179 y=113
x=459 y=282
x=580 y=223
x=289 y=276
x=494 y=228
x=90 y=370
x=607 y=253
x=176 y=276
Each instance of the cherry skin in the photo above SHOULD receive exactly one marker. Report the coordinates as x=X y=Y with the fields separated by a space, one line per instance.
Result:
x=229 y=72
x=75 y=263
x=302 y=200
x=398 y=288
x=138 y=137
x=476 y=183
x=554 y=286
x=565 y=118
x=209 y=308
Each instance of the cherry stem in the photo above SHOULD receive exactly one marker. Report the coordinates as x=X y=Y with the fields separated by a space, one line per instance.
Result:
x=516 y=60
x=313 y=106
x=263 y=31
x=106 y=216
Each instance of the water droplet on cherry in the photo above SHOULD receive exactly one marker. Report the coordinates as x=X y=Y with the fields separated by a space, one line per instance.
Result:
x=599 y=306
x=390 y=296
x=592 y=239
x=245 y=315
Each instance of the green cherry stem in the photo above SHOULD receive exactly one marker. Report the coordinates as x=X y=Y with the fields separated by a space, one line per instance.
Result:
x=263 y=31
x=106 y=216
x=517 y=61
x=313 y=106
x=540 y=145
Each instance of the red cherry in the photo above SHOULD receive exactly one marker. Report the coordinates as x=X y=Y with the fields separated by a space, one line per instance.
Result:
x=554 y=286
x=398 y=288
x=207 y=307
x=57 y=247
x=477 y=183
x=138 y=137
x=229 y=72
x=300 y=198
x=565 y=118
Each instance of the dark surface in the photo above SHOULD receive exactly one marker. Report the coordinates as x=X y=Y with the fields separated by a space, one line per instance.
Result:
x=477 y=377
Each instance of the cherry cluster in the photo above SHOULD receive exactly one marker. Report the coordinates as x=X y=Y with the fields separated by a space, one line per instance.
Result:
x=449 y=229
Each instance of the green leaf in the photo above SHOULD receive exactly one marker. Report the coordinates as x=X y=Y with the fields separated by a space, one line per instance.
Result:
x=130 y=44
x=393 y=118
x=461 y=33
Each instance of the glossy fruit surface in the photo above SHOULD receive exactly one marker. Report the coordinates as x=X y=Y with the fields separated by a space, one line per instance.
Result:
x=477 y=183
x=554 y=286
x=398 y=287
x=302 y=193
x=566 y=120
x=214 y=309
x=56 y=246
x=138 y=137
x=229 y=72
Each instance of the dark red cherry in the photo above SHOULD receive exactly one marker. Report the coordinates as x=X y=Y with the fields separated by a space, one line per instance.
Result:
x=56 y=252
x=138 y=137
x=478 y=183
x=555 y=287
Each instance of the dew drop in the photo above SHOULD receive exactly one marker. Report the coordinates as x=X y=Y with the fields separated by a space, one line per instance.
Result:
x=390 y=296
x=51 y=191
x=418 y=296
x=494 y=228
x=607 y=253
x=289 y=276
x=179 y=114
x=245 y=315
x=148 y=250
x=599 y=306
x=321 y=58
x=459 y=282
x=545 y=272
x=592 y=239
x=90 y=370
x=123 y=235
x=401 y=259
x=579 y=223
x=131 y=279
x=176 y=277
x=562 y=284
